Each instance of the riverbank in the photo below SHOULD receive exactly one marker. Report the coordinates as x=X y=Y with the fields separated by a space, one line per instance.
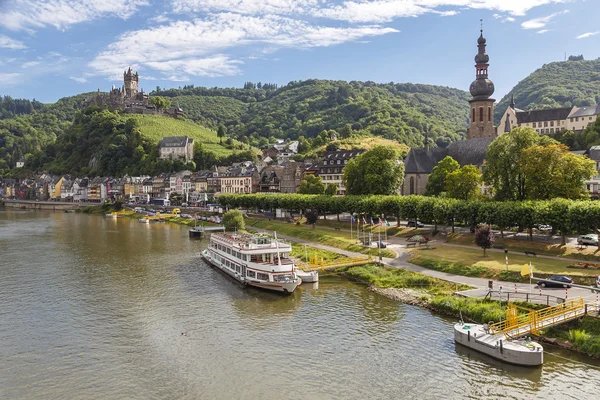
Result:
x=416 y=289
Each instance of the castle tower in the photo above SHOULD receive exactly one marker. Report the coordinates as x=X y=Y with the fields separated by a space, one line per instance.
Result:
x=130 y=80
x=482 y=106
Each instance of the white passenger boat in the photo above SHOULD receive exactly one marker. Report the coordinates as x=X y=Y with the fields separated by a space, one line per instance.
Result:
x=257 y=260
x=518 y=351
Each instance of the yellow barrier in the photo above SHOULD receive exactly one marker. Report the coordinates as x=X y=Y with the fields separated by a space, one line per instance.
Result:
x=315 y=263
x=535 y=320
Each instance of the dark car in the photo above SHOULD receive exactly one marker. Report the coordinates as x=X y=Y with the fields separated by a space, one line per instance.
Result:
x=557 y=281
x=415 y=224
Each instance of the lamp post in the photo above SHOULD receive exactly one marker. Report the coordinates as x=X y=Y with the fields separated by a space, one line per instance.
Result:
x=506 y=258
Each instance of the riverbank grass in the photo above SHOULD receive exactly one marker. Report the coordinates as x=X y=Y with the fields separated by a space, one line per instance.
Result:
x=325 y=236
x=470 y=262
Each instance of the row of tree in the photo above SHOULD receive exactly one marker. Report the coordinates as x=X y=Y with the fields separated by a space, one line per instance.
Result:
x=565 y=216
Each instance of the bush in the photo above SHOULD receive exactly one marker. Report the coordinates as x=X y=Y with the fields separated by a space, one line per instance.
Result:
x=234 y=220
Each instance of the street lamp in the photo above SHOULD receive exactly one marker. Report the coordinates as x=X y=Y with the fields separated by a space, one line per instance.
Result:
x=506 y=258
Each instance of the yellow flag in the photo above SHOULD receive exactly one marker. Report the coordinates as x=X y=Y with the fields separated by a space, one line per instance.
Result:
x=526 y=270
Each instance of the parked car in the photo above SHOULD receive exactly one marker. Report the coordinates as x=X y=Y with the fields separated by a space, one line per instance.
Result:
x=417 y=224
x=588 y=239
x=558 y=281
x=598 y=281
x=544 y=228
x=381 y=245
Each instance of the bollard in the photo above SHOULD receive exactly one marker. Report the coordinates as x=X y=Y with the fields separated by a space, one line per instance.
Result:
x=515 y=288
x=540 y=291
x=566 y=293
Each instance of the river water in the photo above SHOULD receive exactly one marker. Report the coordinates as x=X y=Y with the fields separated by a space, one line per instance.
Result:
x=95 y=308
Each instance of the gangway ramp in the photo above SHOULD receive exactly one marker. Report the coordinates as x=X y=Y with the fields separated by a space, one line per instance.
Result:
x=533 y=321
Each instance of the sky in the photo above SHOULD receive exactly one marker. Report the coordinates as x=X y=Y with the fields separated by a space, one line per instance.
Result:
x=55 y=48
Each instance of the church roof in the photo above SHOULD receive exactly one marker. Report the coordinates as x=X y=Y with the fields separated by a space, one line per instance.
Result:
x=552 y=114
x=174 y=141
x=465 y=152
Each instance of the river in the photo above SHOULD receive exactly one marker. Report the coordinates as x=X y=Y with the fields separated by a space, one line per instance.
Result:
x=95 y=308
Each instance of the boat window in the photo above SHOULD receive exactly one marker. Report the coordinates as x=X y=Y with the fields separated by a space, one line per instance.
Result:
x=238 y=269
x=254 y=258
x=251 y=274
x=264 y=277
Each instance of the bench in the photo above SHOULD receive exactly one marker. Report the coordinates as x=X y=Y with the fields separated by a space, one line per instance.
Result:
x=413 y=244
x=530 y=253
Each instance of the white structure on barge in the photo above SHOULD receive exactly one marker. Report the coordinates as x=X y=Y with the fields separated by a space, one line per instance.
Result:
x=257 y=260
x=478 y=337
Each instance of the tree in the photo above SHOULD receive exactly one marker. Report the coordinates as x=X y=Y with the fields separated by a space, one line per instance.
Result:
x=331 y=189
x=233 y=220
x=464 y=183
x=311 y=184
x=161 y=103
x=437 y=179
x=221 y=131
x=377 y=171
x=552 y=171
x=484 y=238
x=502 y=169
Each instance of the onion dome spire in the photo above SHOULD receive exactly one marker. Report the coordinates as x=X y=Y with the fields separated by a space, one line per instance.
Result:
x=482 y=87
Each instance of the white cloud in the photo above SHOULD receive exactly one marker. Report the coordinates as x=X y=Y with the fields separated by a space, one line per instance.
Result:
x=33 y=14
x=9 y=79
x=509 y=19
x=543 y=31
x=387 y=10
x=8 y=43
x=587 y=35
x=30 y=64
x=254 y=7
x=195 y=47
x=538 y=23
x=160 y=19
x=78 y=79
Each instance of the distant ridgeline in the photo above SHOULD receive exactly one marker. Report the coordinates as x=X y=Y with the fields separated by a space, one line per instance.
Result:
x=557 y=85
x=394 y=111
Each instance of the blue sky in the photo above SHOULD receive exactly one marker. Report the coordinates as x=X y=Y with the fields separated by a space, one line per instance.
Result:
x=55 y=48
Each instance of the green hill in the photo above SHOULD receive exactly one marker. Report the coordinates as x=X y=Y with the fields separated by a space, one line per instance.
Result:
x=155 y=127
x=558 y=84
x=398 y=112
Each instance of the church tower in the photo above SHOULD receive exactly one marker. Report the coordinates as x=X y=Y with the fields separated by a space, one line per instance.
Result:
x=482 y=106
x=130 y=83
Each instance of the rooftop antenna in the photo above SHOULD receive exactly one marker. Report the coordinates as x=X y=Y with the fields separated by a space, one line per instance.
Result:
x=481 y=21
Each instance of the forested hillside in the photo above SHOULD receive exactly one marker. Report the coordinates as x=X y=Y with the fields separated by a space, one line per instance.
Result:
x=306 y=108
x=558 y=84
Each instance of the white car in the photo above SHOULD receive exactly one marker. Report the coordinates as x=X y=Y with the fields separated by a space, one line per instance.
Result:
x=591 y=239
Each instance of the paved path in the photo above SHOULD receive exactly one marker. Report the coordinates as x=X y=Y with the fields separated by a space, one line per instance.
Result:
x=479 y=285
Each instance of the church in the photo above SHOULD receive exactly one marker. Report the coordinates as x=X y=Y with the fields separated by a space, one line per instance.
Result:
x=420 y=162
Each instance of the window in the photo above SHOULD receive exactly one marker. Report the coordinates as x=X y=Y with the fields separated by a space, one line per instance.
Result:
x=481 y=114
x=571 y=119
x=251 y=274
x=412 y=185
x=576 y=119
x=325 y=162
x=473 y=117
x=534 y=124
x=551 y=123
x=339 y=161
x=551 y=130
x=545 y=124
x=263 y=277
x=489 y=114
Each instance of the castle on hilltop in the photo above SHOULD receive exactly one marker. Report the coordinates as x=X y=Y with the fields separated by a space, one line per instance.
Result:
x=128 y=98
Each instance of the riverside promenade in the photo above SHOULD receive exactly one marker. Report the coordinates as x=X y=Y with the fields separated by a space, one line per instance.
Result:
x=480 y=288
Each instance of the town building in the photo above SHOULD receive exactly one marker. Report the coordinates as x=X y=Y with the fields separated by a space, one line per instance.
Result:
x=242 y=178
x=20 y=162
x=176 y=147
x=292 y=175
x=331 y=168
x=270 y=179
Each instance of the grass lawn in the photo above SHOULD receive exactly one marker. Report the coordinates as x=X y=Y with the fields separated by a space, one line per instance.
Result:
x=591 y=253
x=339 y=239
x=494 y=262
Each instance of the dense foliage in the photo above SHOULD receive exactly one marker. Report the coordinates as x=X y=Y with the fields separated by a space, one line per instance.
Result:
x=523 y=165
x=436 y=184
x=565 y=216
x=484 y=238
x=234 y=220
x=377 y=171
x=306 y=108
x=311 y=184
x=558 y=84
